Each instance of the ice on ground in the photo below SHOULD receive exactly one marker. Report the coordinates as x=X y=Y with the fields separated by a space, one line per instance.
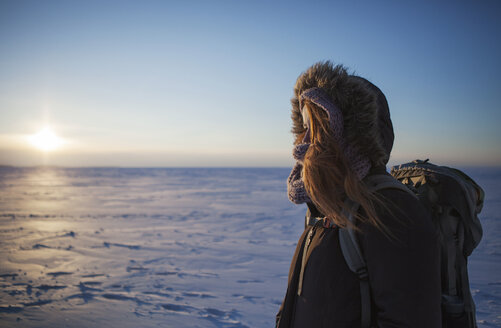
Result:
x=86 y=247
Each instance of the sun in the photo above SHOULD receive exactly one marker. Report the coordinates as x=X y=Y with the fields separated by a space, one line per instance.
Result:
x=46 y=140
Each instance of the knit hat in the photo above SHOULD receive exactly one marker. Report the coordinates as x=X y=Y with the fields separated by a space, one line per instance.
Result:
x=367 y=122
x=384 y=120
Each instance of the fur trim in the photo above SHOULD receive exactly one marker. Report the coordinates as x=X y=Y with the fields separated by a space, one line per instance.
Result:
x=360 y=103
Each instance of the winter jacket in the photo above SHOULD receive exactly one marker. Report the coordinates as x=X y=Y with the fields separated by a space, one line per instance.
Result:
x=404 y=272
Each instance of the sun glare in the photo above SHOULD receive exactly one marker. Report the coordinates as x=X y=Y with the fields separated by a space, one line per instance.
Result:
x=46 y=140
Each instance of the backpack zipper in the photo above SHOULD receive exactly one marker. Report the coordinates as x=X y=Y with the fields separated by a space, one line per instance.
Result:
x=309 y=237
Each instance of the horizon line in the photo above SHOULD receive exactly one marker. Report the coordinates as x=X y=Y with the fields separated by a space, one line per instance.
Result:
x=485 y=166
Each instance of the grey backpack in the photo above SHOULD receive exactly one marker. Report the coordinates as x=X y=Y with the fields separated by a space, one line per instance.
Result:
x=454 y=201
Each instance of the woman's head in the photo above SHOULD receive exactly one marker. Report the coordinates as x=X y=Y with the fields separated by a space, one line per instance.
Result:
x=367 y=123
x=330 y=171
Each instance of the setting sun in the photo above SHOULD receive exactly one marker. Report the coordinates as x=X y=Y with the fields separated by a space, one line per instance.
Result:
x=46 y=140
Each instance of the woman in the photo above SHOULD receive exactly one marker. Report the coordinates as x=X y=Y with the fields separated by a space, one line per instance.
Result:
x=344 y=135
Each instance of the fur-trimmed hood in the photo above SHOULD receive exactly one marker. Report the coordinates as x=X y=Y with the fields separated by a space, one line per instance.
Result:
x=367 y=122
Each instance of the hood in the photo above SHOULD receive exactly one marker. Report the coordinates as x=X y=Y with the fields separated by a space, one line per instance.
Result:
x=367 y=122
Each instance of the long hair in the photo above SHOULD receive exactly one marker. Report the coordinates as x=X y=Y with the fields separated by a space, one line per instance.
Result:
x=328 y=178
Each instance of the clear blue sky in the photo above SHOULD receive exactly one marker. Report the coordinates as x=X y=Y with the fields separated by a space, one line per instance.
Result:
x=208 y=83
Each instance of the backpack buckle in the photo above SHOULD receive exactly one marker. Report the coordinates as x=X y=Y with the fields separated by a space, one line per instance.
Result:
x=420 y=161
x=362 y=273
x=452 y=304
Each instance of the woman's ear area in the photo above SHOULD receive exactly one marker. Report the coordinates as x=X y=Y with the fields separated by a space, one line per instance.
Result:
x=305 y=114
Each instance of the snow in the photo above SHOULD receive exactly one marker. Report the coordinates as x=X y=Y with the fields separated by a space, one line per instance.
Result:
x=170 y=247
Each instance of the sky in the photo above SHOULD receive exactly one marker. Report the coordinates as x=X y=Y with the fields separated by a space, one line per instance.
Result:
x=208 y=83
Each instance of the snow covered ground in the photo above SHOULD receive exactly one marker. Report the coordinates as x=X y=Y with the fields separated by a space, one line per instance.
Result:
x=117 y=247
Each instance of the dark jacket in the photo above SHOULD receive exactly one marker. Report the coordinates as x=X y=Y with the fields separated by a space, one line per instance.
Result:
x=404 y=273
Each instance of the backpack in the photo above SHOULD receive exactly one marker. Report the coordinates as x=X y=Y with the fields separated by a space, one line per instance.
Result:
x=454 y=201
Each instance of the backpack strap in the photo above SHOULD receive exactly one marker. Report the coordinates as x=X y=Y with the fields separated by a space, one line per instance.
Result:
x=382 y=181
x=350 y=245
x=355 y=261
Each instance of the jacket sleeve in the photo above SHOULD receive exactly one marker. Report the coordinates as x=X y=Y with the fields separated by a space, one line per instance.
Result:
x=404 y=268
x=285 y=313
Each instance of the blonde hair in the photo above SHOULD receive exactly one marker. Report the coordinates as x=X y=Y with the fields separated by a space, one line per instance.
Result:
x=328 y=178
